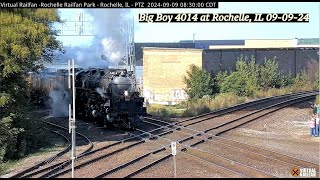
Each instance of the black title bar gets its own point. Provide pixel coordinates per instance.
(112, 4)
(217, 17)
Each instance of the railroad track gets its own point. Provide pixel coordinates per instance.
(223, 147)
(239, 157)
(135, 143)
(57, 159)
(147, 157)
(129, 157)
(227, 165)
(93, 155)
(250, 106)
(144, 158)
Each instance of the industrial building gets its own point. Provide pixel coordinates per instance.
(163, 71)
(228, 44)
(164, 67)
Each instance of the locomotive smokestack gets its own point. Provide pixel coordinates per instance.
(109, 42)
(111, 35)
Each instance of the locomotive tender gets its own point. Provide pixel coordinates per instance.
(109, 97)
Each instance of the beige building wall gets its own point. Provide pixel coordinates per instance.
(163, 71)
(261, 43)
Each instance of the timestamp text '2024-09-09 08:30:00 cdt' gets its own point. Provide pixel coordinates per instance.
(64, 5)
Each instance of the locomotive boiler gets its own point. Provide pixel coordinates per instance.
(109, 97)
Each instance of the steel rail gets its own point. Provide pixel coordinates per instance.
(199, 133)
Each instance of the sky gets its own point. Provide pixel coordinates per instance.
(174, 32)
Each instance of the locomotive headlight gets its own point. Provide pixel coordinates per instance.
(94, 113)
(126, 93)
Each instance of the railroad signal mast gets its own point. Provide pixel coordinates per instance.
(72, 113)
(76, 26)
(131, 49)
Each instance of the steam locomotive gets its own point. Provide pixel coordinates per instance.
(109, 97)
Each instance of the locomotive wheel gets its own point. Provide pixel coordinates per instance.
(99, 122)
(81, 102)
(109, 126)
(136, 122)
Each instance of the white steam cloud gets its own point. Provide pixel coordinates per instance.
(110, 27)
(100, 91)
(59, 101)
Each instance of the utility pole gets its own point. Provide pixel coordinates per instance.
(72, 118)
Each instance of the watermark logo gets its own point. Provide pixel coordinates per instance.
(295, 172)
(303, 172)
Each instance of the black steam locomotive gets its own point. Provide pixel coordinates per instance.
(108, 97)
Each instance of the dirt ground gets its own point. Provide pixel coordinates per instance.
(285, 131)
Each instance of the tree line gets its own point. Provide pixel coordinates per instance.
(248, 78)
(27, 40)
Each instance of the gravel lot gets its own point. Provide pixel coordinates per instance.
(187, 167)
(285, 131)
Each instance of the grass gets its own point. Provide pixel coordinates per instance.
(6, 166)
(282, 91)
(200, 106)
(51, 142)
(194, 107)
(165, 111)
(208, 104)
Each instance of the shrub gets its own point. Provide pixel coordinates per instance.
(268, 74)
(198, 83)
(283, 80)
(243, 81)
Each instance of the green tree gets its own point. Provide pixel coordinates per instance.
(268, 73)
(235, 84)
(26, 40)
(198, 82)
(302, 79)
(220, 78)
(244, 80)
(283, 80)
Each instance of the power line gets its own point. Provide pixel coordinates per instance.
(78, 27)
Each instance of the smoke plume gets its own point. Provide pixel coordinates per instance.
(59, 101)
(100, 91)
(110, 40)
